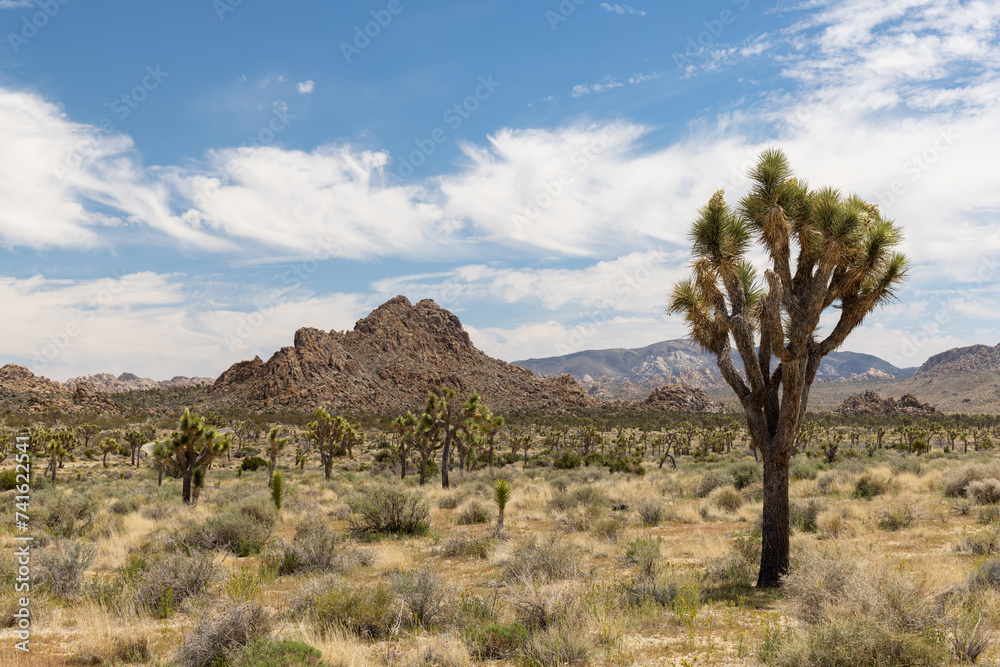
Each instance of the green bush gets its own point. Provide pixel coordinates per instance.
(8, 480)
(367, 611)
(474, 512)
(156, 587)
(497, 642)
(61, 567)
(746, 473)
(224, 633)
(567, 461)
(68, 516)
(869, 485)
(478, 547)
(711, 481)
(312, 549)
(856, 641)
(241, 530)
(628, 466)
(803, 515)
(544, 560)
(252, 463)
(384, 510)
(803, 469)
(273, 653)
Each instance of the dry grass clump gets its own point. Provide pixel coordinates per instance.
(425, 596)
(387, 510)
(805, 515)
(227, 631)
(473, 512)
(957, 481)
(651, 513)
(157, 585)
(869, 485)
(727, 499)
(368, 611)
(984, 491)
(984, 543)
(898, 515)
(542, 560)
(859, 612)
(312, 549)
(241, 529)
(469, 545)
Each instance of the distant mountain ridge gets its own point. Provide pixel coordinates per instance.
(109, 384)
(674, 361)
(961, 360)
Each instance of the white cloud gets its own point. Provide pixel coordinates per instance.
(306, 87)
(622, 9)
(16, 4)
(608, 83)
(68, 328)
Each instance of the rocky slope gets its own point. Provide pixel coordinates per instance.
(870, 403)
(389, 362)
(23, 391)
(604, 372)
(962, 360)
(109, 384)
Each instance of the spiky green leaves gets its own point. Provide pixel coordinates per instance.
(719, 235)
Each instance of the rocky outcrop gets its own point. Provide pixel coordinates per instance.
(960, 360)
(389, 362)
(23, 391)
(682, 398)
(109, 384)
(870, 403)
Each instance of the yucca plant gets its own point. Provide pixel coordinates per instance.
(501, 496)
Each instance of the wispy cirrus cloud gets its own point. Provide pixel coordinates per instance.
(622, 9)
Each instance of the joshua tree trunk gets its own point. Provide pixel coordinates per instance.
(446, 460)
(186, 485)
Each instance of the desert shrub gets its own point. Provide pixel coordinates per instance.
(253, 463)
(906, 465)
(8, 480)
(61, 567)
(969, 637)
(858, 613)
(368, 611)
(986, 574)
(711, 481)
(241, 530)
(123, 506)
(225, 633)
(955, 481)
(739, 567)
(869, 485)
(644, 553)
(984, 491)
(988, 514)
(468, 545)
(129, 649)
(559, 645)
(568, 460)
(475, 511)
(650, 512)
(385, 510)
(897, 516)
(608, 528)
(803, 469)
(983, 543)
(826, 483)
(312, 549)
(157, 587)
(449, 502)
(424, 594)
(804, 515)
(745, 473)
(626, 465)
(543, 560)
(496, 641)
(265, 652)
(155, 511)
(727, 499)
(68, 515)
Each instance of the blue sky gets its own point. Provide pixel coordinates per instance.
(186, 184)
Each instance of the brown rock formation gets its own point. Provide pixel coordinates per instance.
(389, 362)
(682, 398)
(870, 403)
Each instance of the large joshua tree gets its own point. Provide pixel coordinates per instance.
(192, 447)
(843, 259)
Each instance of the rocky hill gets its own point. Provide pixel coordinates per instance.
(23, 391)
(389, 362)
(109, 384)
(870, 403)
(962, 360)
(608, 372)
(682, 398)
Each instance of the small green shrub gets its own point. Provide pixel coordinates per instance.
(225, 633)
(567, 461)
(803, 515)
(711, 481)
(869, 485)
(272, 653)
(803, 469)
(312, 549)
(897, 517)
(497, 642)
(61, 567)
(425, 596)
(385, 510)
(253, 463)
(474, 512)
(8, 480)
(746, 473)
(367, 611)
(543, 560)
(478, 547)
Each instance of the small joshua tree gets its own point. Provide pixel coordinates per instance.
(135, 439)
(277, 489)
(108, 446)
(191, 448)
(274, 445)
(501, 496)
